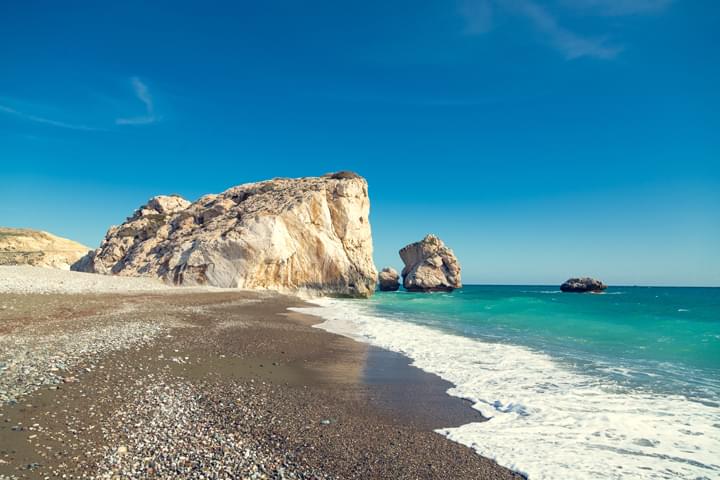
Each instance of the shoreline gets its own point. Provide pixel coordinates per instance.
(550, 419)
(241, 368)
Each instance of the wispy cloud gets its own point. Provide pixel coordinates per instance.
(478, 15)
(143, 94)
(572, 45)
(47, 121)
(9, 106)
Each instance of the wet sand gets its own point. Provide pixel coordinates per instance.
(213, 385)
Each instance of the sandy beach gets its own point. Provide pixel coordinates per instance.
(175, 383)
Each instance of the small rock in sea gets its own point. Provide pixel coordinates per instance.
(389, 280)
(581, 285)
(430, 266)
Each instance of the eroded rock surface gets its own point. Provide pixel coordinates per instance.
(23, 246)
(389, 280)
(430, 266)
(308, 234)
(584, 284)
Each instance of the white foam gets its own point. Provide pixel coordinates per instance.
(546, 420)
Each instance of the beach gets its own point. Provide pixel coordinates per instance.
(150, 381)
(586, 386)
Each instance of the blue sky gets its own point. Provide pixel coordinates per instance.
(538, 139)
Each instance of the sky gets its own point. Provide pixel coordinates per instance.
(539, 140)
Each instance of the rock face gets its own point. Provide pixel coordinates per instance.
(430, 266)
(21, 246)
(585, 284)
(389, 280)
(287, 234)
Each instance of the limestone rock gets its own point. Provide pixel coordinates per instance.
(22, 246)
(162, 205)
(389, 280)
(430, 266)
(284, 234)
(584, 284)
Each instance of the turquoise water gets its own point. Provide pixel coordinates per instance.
(624, 384)
(664, 339)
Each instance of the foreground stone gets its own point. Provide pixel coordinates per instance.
(287, 234)
(584, 284)
(22, 246)
(389, 280)
(430, 266)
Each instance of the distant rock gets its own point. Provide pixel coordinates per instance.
(430, 266)
(584, 284)
(22, 246)
(309, 234)
(389, 280)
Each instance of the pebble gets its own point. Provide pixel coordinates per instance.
(186, 431)
(31, 362)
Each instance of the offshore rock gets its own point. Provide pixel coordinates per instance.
(389, 280)
(584, 284)
(430, 266)
(22, 246)
(310, 234)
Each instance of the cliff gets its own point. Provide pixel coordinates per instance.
(308, 234)
(22, 246)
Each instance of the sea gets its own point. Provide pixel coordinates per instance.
(619, 385)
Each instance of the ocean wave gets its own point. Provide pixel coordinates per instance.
(541, 291)
(546, 420)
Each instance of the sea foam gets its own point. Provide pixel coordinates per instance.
(547, 420)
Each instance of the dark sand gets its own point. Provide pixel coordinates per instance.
(267, 396)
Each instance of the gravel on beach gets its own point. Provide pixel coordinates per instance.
(175, 383)
(26, 279)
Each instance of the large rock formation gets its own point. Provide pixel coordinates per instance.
(584, 284)
(389, 280)
(430, 266)
(22, 246)
(287, 234)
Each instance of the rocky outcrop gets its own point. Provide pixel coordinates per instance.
(430, 266)
(388, 280)
(584, 284)
(286, 234)
(22, 246)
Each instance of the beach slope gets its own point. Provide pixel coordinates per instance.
(151, 381)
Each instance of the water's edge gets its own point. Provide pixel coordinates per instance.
(452, 391)
(530, 430)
